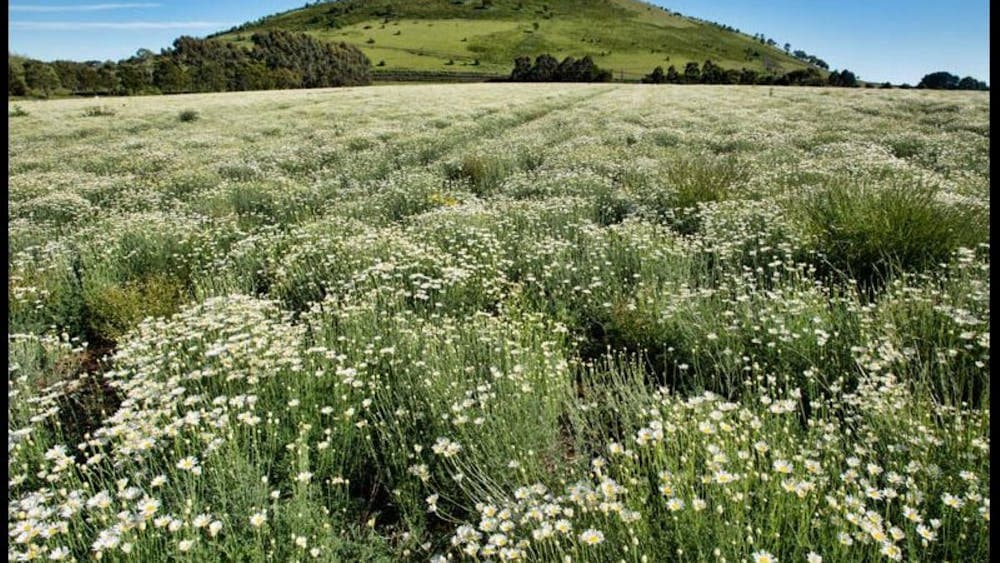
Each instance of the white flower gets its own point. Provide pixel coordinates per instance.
(189, 463)
(148, 507)
(591, 537)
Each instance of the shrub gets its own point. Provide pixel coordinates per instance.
(870, 232)
(188, 115)
(688, 183)
(17, 111)
(98, 111)
(116, 309)
(482, 174)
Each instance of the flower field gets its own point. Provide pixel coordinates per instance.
(500, 322)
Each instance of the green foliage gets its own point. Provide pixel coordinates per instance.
(16, 85)
(686, 184)
(869, 232)
(99, 111)
(547, 69)
(40, 78)
(844, 78)
(114, 310)
(188, 115)
(17, 111)
(940, 80)
(483, 174)
(318, 64)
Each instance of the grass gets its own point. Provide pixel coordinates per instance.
(869, 233)
(537, 321)
(631, 39)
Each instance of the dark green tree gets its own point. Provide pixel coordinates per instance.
(133, 78)
(522, 69)
(41, 78)
(844, 79)
(107, 79)
(16, 86)
(169, 76)
(940, 80)
(970, 83)
(748, 76)
(655, 77)
(692, 74)
(88, 78)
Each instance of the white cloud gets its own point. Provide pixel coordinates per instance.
(79, 7)
(85, 26)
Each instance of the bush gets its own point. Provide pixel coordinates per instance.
(188, 115)
(17, 111)
(688, 183)
(482, 174)
(868, 233)
(116, 309)
(98, 111)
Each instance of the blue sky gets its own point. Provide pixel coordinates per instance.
(894, 40)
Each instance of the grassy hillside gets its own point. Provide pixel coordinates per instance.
(627, 36)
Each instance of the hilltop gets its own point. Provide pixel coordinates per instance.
(484, 36)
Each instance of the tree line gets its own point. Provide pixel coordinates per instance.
(549, 69)
(712, 73)
(942, 80)
(276, 60)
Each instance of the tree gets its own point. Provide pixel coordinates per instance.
(16, 86)
(712, 73)
(545, 68)
(41, 78)
(107, 78)
(940, 80)
(169, 76)
(788, 47)
(548, 69)
(691, 73)
(970, 83)
(88, 78)
(133, 78)
(318, 64)
(844, 78)
(655, 77)
(522, 69)
(673, 77)
(68, 74)
(566, 71)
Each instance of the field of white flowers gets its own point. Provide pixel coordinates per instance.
(496, 322)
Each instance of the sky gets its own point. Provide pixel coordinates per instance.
(879, 40)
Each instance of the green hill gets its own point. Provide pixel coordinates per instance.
(483, 36)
